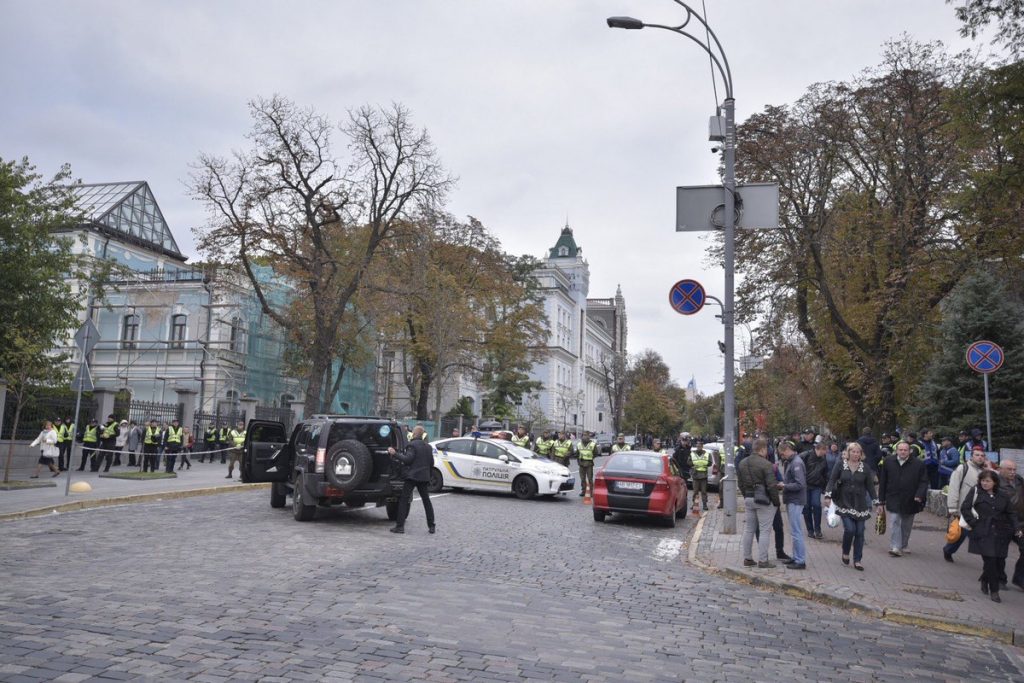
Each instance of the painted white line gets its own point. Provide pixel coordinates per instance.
(667, 550)
(436, 495)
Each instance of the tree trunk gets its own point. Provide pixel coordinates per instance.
(10, 446)
(321, 361)
(424, 395)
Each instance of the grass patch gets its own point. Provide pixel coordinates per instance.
(18, 484)
(139, 475)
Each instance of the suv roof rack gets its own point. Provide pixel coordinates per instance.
(325, 416)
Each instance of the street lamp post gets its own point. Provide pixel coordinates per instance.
(718, 58)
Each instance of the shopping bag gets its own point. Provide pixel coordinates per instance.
(831, 516)
(954, 531)
(880, 522)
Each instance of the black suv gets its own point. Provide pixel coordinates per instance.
(328, 460)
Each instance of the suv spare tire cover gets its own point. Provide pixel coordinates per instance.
(349, 465)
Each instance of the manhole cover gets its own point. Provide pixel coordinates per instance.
(936, 593)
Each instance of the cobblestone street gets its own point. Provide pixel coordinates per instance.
(226, 588)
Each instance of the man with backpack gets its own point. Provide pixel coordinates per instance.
(963, 479)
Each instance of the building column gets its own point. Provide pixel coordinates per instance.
(249, 408)
(104, 403)
(298, 409)
(187, 400)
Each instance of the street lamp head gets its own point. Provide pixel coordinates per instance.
(625, 22)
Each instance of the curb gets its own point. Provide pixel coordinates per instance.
(125, 500)
(1005, 635)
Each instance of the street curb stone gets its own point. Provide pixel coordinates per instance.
(1004, 635)
(124, 500)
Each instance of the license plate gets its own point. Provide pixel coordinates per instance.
(629, 485)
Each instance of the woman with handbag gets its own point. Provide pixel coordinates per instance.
(851, 484)
(993, 523)
(47, 441)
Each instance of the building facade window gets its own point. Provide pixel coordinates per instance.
(237, 336)
(130, 332)
(178, 325)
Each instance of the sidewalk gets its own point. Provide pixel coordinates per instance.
(919, 588)
(202, 477)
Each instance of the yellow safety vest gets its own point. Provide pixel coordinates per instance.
(224, 434)
(91, 435)
(523, 441)
(62, 434)
(617, 448)
(211, 436)
(150, 433)
(238, 437)
(108, 430)
(586, 450)
(700, 461)
(172, 436)
(544, 445)
(562, 448)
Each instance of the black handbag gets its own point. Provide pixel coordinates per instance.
(761, 495)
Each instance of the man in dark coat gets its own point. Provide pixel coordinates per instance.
(872, 451)
(902, 489)
(817, 477)
(681, 455)
(1013, 483)
(418, 459)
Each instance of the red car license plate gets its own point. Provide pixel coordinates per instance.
(629, 486)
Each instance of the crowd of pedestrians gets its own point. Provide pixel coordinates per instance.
(150, 447)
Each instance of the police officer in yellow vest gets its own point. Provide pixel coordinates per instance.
(209, 443)
(172, 444)
(237, 441)
(90, 440)
(544, 444)
(521, 438)
(150, 444)
(586, 450)
(108, 442)
(223, 443)
(65, 440)
(620, 444)
(700, 462)
(562, 449)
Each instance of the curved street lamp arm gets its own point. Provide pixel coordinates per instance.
(723, 64)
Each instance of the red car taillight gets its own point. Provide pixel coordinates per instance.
(662, 483)
(321, 457)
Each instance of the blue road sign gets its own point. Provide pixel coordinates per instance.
(985, 356)
(687, 297)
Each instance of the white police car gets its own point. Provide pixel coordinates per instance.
(496, 465)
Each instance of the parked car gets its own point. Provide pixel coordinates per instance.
(640, 483)
(604, 442)
(496, 465)
(327, 460)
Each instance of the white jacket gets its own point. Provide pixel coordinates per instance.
(48, 440)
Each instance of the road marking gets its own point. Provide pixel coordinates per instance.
(667, 550)
(436, 495)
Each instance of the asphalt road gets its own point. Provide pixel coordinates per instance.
(226, 588)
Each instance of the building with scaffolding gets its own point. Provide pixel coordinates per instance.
(173, 333)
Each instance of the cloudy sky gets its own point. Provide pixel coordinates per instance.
(540, 110)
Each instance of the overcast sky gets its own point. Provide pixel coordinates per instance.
(540, 110)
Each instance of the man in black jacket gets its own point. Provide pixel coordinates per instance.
(817, 477)
(418, 459)
(872, 451)
(902, 487)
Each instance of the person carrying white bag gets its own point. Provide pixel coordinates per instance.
(47, 440)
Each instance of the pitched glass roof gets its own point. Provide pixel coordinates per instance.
(128, 209)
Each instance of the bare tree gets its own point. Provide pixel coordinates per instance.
(287, 209)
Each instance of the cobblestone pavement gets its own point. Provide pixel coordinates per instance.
(225, 588)
(920, 583)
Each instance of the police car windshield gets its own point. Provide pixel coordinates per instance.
(520, 452)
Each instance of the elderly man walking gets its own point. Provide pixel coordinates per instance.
(902, 487)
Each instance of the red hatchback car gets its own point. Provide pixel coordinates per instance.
(640, 483)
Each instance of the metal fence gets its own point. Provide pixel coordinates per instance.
(201, 421)
(141, 412)
(282, 415)
(38, 409)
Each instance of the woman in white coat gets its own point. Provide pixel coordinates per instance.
(47, 441)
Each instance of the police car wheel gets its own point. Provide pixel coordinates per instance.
(436, 480)
(277, 494)
(524, 487)
(349, 465)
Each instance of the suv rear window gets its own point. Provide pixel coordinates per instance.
(374, 436)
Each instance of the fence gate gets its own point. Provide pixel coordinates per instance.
(141, 412)
(282, 415)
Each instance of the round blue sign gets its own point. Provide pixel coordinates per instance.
(985, 356)
(687, 297)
